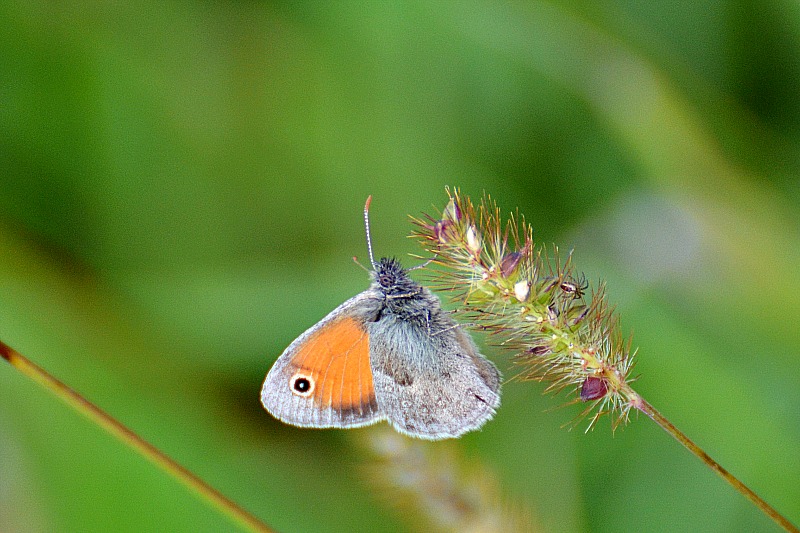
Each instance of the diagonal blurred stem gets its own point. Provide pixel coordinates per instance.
(103, 419)
(642, 405)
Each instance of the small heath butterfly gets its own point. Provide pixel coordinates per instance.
(389, 353)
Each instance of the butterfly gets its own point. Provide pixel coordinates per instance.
(389, 353)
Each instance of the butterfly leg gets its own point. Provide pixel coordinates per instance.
(454, 326)
(404, 295)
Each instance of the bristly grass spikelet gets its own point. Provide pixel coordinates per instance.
(532, 303)
(537, 306)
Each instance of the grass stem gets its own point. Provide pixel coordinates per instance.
(643, 406)
(106, 421)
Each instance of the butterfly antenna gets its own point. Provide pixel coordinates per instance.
(366, 225)
(356, 261)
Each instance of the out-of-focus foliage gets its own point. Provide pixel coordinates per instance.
(180, 195)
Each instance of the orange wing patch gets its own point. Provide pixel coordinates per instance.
(334, 361)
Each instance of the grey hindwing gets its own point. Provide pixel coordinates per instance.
(431, 384)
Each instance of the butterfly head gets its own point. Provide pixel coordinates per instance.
(391, 278)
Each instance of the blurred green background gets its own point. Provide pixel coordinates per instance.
(181, 193)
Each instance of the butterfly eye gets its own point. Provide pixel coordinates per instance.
(302, 385)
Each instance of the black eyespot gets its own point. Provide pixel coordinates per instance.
(301, 385)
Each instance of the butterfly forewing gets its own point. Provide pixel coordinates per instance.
(323, 379)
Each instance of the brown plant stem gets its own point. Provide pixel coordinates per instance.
(103, 419)
(642, 405)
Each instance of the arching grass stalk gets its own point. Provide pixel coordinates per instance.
(535, 305)
(104, 420)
